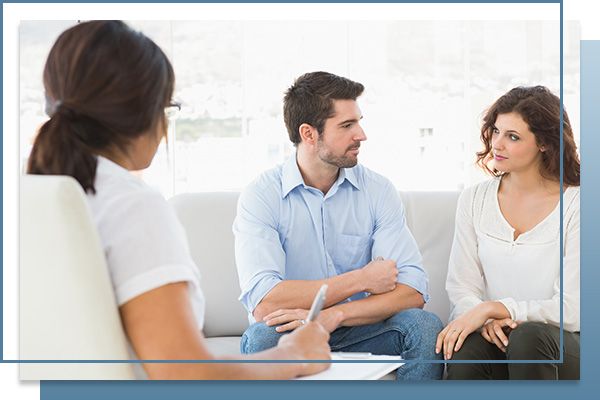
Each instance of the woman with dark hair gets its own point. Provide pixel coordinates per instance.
(107, 89)
(503, 276)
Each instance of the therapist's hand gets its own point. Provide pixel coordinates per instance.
(379, 276)
(290, 319)
(309, 342)
(496, 331)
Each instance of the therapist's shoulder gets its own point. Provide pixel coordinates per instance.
(142, 202)
(114, 184)
(132, 209)
(124, 193)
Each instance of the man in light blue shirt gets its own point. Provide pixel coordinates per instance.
(322, 218)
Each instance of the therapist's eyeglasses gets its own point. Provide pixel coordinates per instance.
(172, 110)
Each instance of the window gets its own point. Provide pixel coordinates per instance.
(425, 132)
(427, 85)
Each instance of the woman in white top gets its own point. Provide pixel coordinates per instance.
(504, 271)
(107, 88)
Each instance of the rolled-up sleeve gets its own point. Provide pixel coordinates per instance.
(259, 256)
(393, 240)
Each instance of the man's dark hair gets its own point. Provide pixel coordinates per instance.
(310, 100)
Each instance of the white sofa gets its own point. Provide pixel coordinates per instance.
(208, 217)
(67, 308)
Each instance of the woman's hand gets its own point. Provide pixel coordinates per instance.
(496, 331)
(290, 319)
(452, 337)
(308, 342)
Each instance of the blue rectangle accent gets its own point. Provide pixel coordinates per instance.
(301, 390)
(587, 388)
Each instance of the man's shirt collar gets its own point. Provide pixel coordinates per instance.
(291, 177)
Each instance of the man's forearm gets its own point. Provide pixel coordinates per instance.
(379, 307)
(300, 293)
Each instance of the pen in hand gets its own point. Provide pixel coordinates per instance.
(317, 304)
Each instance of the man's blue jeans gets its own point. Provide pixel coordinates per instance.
(410, 334)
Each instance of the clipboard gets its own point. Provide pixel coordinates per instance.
(357, 371)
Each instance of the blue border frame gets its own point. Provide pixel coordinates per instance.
(305, 1)
(560, 202)
(2, 200)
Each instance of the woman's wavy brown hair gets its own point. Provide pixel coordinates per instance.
(540, 109)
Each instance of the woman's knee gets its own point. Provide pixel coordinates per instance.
(475, 347)
(533, 341)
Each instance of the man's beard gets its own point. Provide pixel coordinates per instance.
(344, 161)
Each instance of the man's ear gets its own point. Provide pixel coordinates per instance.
(308, 134)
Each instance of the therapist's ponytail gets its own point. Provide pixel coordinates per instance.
(106, 84)
(65, 146)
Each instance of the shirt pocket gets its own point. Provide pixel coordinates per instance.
(351, 252)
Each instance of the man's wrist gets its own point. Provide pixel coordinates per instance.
(337, 315)
(358, 280)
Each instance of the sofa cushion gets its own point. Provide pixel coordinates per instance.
(430, 217)
(207, 219)
(224, 345)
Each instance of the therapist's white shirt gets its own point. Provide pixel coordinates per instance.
(144, 244)
(486, 263)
